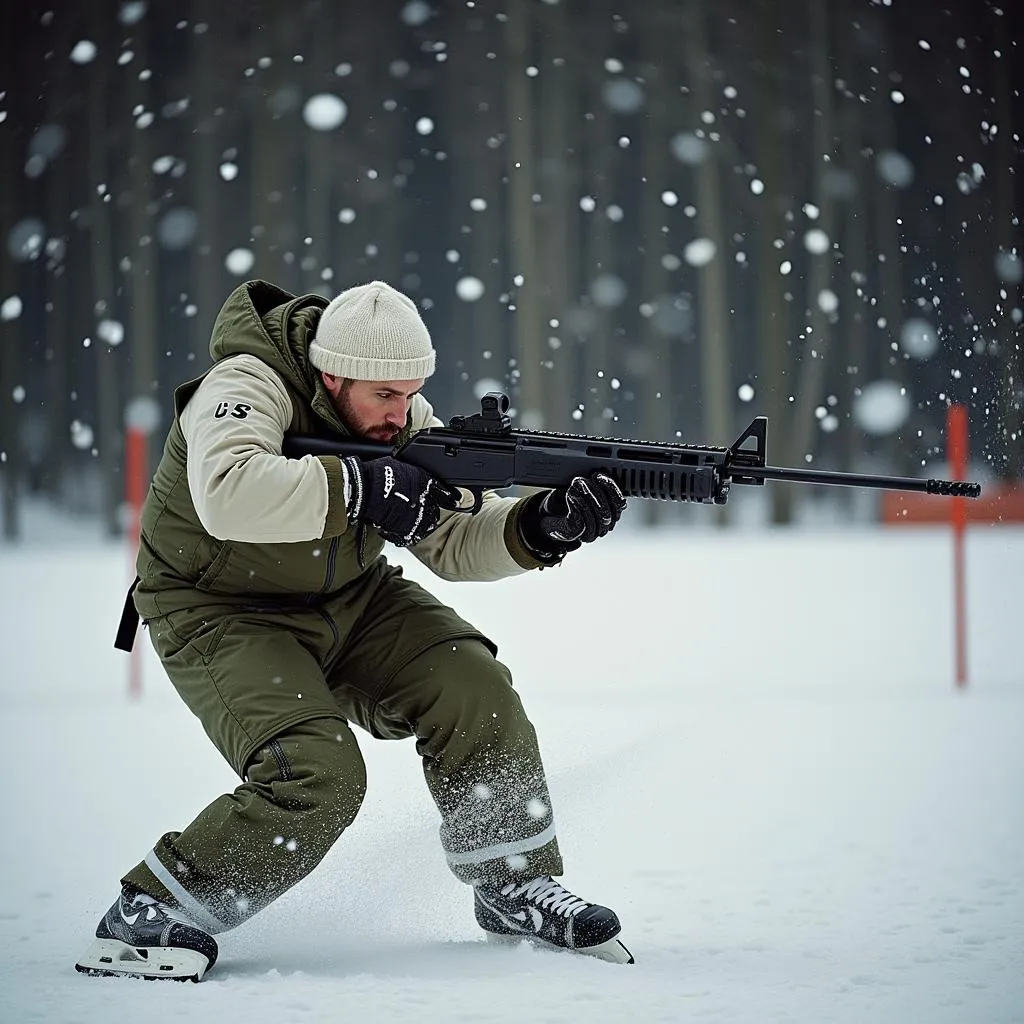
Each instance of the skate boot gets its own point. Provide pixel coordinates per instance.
(140, 938)
(543, 912)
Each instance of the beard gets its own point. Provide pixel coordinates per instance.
(382, 432)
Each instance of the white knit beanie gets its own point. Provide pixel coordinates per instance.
(372, 332)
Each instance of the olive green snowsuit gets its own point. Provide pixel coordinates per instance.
(277, 647)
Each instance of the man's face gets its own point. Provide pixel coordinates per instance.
(372, 409)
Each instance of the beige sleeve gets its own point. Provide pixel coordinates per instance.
(242, 487)
(478, 548)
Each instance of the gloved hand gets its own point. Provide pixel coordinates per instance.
(556, 522)
(403, 502)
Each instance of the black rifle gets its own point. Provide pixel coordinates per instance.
(485, 452)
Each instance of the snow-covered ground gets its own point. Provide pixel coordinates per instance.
(757, 757)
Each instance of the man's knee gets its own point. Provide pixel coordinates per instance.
(314, 770)
(457, 691)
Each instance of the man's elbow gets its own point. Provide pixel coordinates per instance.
(216, 523)
(217, 516)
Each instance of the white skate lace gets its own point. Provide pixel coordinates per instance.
(546, 893)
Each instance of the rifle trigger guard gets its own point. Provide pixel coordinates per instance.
(478, 500)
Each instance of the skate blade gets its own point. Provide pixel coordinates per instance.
(612, 951)
(116, 959)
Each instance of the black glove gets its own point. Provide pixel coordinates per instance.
(556, 522)
(403, 502)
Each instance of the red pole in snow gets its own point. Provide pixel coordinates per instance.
(136, 479)
(956, 445)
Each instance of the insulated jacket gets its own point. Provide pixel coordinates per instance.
(228, 521)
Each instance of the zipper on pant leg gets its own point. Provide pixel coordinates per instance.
(282, 760)
(332, 554)
(333, 626)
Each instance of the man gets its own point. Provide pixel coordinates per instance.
(279, 621)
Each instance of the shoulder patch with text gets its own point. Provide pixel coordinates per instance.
(239, 410)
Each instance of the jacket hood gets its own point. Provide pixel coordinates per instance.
(259, 318)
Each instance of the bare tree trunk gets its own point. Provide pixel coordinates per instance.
(1008, 239)
(469, 156)
(657, 344)
(392, 215)
(207, 255)
(382, 223)
(522, 241)
(713, 312)
(816, 349)
(108, 404)
(599, 253)
(62, 183)
(773, 317)
(142, 337)
(318, 178)
(10, 364)
(557, 272)
(853, 296)
(273, 192)
(475, 105)
(887, 234)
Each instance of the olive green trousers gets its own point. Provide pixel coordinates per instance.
(276, 691)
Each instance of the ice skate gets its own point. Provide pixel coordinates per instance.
(141, 938)
(545, 913)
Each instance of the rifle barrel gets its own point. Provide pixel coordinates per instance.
(949, 488)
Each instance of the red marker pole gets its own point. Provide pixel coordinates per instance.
(956, 446)
(136, 479)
